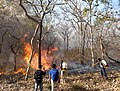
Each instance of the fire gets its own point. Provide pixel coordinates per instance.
(27, 51)
(46, 60)
(1, 73)
(20, 70)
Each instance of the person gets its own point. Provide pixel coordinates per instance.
(54, 77)
(38, 76)
(63, 70)
(103, 65)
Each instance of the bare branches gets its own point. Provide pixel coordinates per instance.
(21, 4)
(14, 46)
(40, 9)
(2, 39)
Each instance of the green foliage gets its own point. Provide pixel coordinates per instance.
(85, 10)
(104, 1)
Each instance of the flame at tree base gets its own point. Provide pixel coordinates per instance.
(46, 60)
(20, 70)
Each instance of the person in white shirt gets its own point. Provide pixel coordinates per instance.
(103, 65)
(63, 70)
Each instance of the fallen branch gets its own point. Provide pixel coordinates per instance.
(111, 58)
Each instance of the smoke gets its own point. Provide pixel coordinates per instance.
(5, 63)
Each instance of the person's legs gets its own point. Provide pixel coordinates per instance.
(41, 86)
(52, 85)
(57, 86)
(61, 73)
(64, 76)
(101, 71)
(36, 86)
(61, 80)
(104, 73)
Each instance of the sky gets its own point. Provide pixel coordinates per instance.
(116, 6)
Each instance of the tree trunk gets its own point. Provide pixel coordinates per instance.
(32, 52)
(83, 48)
(28, 68)
(39, 51)
(67, 43)
(64, 45)
(112, 58)
(91, 33)
(101, 47)
(2, 39)
(15, 62)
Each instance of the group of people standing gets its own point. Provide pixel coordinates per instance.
(55, 76)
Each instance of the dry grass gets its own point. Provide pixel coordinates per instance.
(82, 82)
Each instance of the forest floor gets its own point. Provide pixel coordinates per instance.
(78, 82)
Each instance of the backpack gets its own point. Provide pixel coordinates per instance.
(38, 76)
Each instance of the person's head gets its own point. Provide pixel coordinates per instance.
(54, 66)
(99, 59)
(61, 61)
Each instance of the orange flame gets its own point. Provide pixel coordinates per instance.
(46, 60)
(1, 73)
(20, 70)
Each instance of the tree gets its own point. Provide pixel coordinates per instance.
(78, 12)
(106, 26)
(15, 46)
(2, 40)
(33, 51)
(38, 9)
(65, 32)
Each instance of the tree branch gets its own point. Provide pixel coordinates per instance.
(27, 13)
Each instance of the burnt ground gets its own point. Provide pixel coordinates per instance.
(78, 82)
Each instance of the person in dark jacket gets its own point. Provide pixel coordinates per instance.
(38, 76)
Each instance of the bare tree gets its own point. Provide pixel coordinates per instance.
(74, 8)
(32, 52)
(39, 9)
(65, 32)
(15, 46)
(2, 40)
(36, 11)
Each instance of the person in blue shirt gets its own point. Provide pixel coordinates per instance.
(54, 77)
